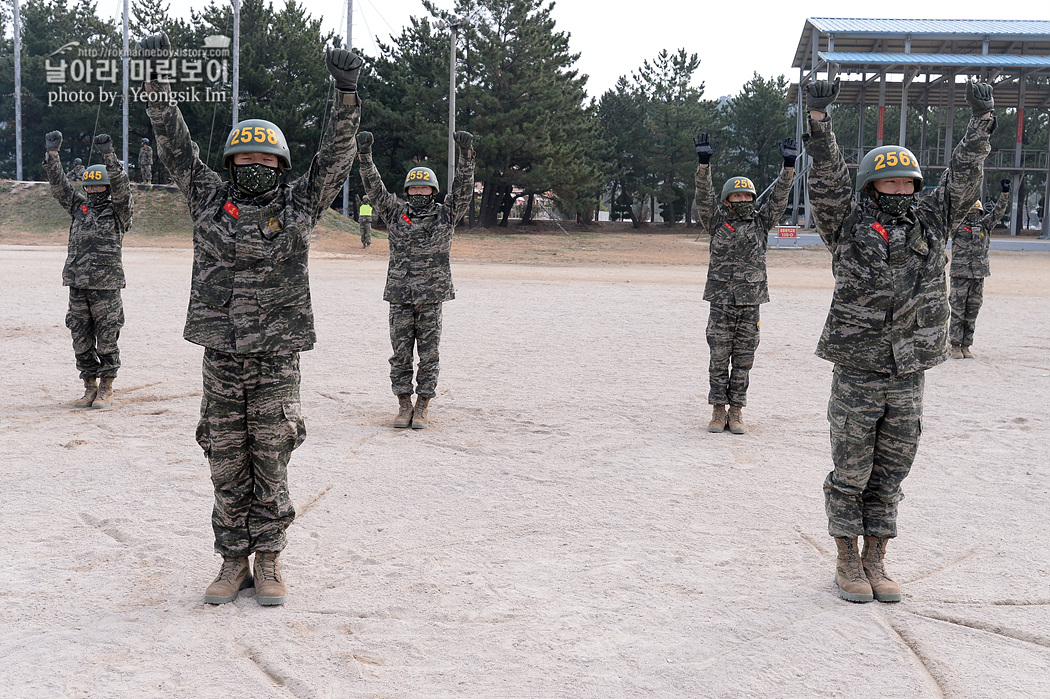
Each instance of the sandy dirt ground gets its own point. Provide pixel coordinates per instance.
(566, 528)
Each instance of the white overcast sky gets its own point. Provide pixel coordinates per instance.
(733, 39)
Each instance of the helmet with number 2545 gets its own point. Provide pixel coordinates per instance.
(887, 162)
(256, 136)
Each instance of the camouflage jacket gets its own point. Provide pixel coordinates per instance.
(93, 259)
(145, 156)
(736, 274)
(889, 311)
(419, 269)
(76, 174)
(250, 290)
(970, 243)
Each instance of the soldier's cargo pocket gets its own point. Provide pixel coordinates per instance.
(932, 313)
(203, 432)
(294, 424)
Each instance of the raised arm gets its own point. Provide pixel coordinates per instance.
(175, 148)
(706, 205)
(961, 182)
(772, 211)
(989, 221)
(830, 189)
(61, 190)
(331, 165)
(382, 201)
(463, 182)
(119, 185)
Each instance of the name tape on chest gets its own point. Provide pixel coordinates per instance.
(733, 230)
(881, 231)
(231, 209)
(83, 208)
(406, 219)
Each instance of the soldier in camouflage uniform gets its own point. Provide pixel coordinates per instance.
(250, 309)
(419, 278)
(736, 276)
(94, 271)
(364, 220)
(970, 266)
(76, 173)
(887, 324)
(146, 163)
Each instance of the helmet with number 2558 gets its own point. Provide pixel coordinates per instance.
(887, 162)
(257, 136)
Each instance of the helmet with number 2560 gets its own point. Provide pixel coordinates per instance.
(885, 162)
(257, 136)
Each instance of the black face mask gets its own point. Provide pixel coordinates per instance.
(974, 217)
(255, 179)
(895, 204)
(98, 198)
(743, 209)
(420, 202)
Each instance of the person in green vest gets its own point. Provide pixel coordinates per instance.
(364, 219)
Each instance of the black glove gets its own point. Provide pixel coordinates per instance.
(704, 148)
(789, 150)
(1005, 184)
(463, 139)
(979, 97)
(155, 47)
(53, 140)
(104, 143)
(345, 67)
(364, 143)
(821, 93)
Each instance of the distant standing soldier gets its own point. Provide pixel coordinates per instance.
(970, 266)
(888, 322)
(146, 162)
(250, 309)
(736, 276)
(94, 270)
(419, 276)
(364, 220)
(76, 173)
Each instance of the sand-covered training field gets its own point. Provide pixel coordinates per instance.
(565, 528)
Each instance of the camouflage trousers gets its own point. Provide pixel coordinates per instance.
(876, 420)
(965, 299)
(415, 326)
(146, 174)
(94, 319)
(365, 223)
(732, 335)
(250, 423)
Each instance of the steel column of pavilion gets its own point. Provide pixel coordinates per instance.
(895, 52)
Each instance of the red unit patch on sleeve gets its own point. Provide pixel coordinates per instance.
(406, 219)
(882, 231)
(229, 208)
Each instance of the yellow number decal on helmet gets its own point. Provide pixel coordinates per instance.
(271, 136)
(260, 134)
(893, 158)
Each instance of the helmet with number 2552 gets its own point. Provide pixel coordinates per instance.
(887, 162)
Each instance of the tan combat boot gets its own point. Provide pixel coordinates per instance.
(852, 585)
(957, 352)
(736, 420)
(718, 419)
(966, 353)
(404, 410)
(873, 561)
(105, 393)
(419, 415)
(90, 391)
(269, 583)
(233, 577)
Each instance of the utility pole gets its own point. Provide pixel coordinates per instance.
(124, 70)
(236, 57)
(454, 23)
(349, 47)
(18, 94)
